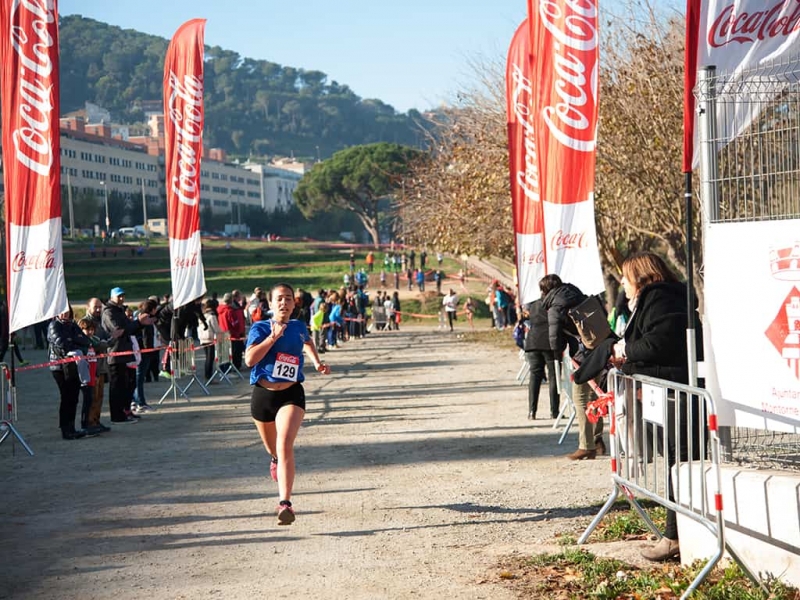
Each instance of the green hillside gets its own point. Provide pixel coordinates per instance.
(251, 106)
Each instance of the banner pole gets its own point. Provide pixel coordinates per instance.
(691, 336)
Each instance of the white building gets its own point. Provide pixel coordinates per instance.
(96, 159)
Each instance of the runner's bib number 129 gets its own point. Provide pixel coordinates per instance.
(287, 366)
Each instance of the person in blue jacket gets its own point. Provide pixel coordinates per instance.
(275, 349)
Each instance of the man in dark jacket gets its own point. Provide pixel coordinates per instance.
(120, 328)
(557, 298)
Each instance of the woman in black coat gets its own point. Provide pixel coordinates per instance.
(655, 345)
(538, 354)
(64, 336)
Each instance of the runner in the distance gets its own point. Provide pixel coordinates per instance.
(275, 351)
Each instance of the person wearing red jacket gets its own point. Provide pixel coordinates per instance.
(231, 319)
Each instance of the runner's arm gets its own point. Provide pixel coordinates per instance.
(311, 351)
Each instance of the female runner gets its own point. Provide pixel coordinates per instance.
(275, 352)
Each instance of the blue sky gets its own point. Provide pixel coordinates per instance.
(410, 54)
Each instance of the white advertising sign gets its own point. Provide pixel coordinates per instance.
(752, 323)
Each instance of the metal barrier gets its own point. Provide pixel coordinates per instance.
(222, 368)
(183, 366)
(564, 383)
(567, 407)
(661, 434)
(8, 411)
(228, 367)
(524, 370)
(379, 319)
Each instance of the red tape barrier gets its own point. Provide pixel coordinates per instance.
(94, 358)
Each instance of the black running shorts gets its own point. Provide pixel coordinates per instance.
(264, 403)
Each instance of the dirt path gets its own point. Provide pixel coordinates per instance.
(416, 470)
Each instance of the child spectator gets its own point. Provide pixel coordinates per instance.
(87, 389)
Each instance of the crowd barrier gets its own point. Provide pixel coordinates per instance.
(564, 383)
(8, 412)
(223, 360)
(183, 367)
(566, 408)
(664, 446)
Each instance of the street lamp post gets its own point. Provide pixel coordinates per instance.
(105, 197)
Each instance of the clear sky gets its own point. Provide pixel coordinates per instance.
(410, 54)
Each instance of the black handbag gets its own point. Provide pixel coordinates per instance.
(591, 321)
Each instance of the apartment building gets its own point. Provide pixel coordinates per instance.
(96, 159)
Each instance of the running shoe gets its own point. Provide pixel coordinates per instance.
(166, 374)
(273, 469)
(285, 514)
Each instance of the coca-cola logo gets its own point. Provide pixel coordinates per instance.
(45, 259)
(573, 25)
(185, 107)
(533, 258)
(565, 240)
(747, 28)
(184, 262)
(33, 37)
(528, 178)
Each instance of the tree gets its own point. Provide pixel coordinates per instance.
(458, 199)
(639, 203)
(356, 179)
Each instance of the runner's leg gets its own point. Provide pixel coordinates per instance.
(267, 432)
(287, 423)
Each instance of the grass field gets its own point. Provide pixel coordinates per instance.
(247, 264)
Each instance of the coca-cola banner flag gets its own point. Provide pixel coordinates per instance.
(736, 36)
(32, 164)
(523, 163)
(566, 62)
(183, 111)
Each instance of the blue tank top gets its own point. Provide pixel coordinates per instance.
(286, 352)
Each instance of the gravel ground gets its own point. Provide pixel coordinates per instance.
(417, 470)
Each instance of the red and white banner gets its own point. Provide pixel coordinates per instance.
(32, 161)
(736, 36)
(183, 122)
(566, 63)
(526, 202)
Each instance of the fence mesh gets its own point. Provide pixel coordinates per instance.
(757, 179)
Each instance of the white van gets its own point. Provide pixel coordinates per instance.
(127, 231)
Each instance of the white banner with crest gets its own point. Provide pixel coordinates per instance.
(752, 323)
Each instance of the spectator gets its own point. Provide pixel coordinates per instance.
(438, 275)
(120, 328)
(208, 338)
(94, 311)
(397, 316)
(86, 325)
(4, 337)
(370, 261)
(145, 338)
(655, 345)
(65, 337)
(557, 298)
(539, 355)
